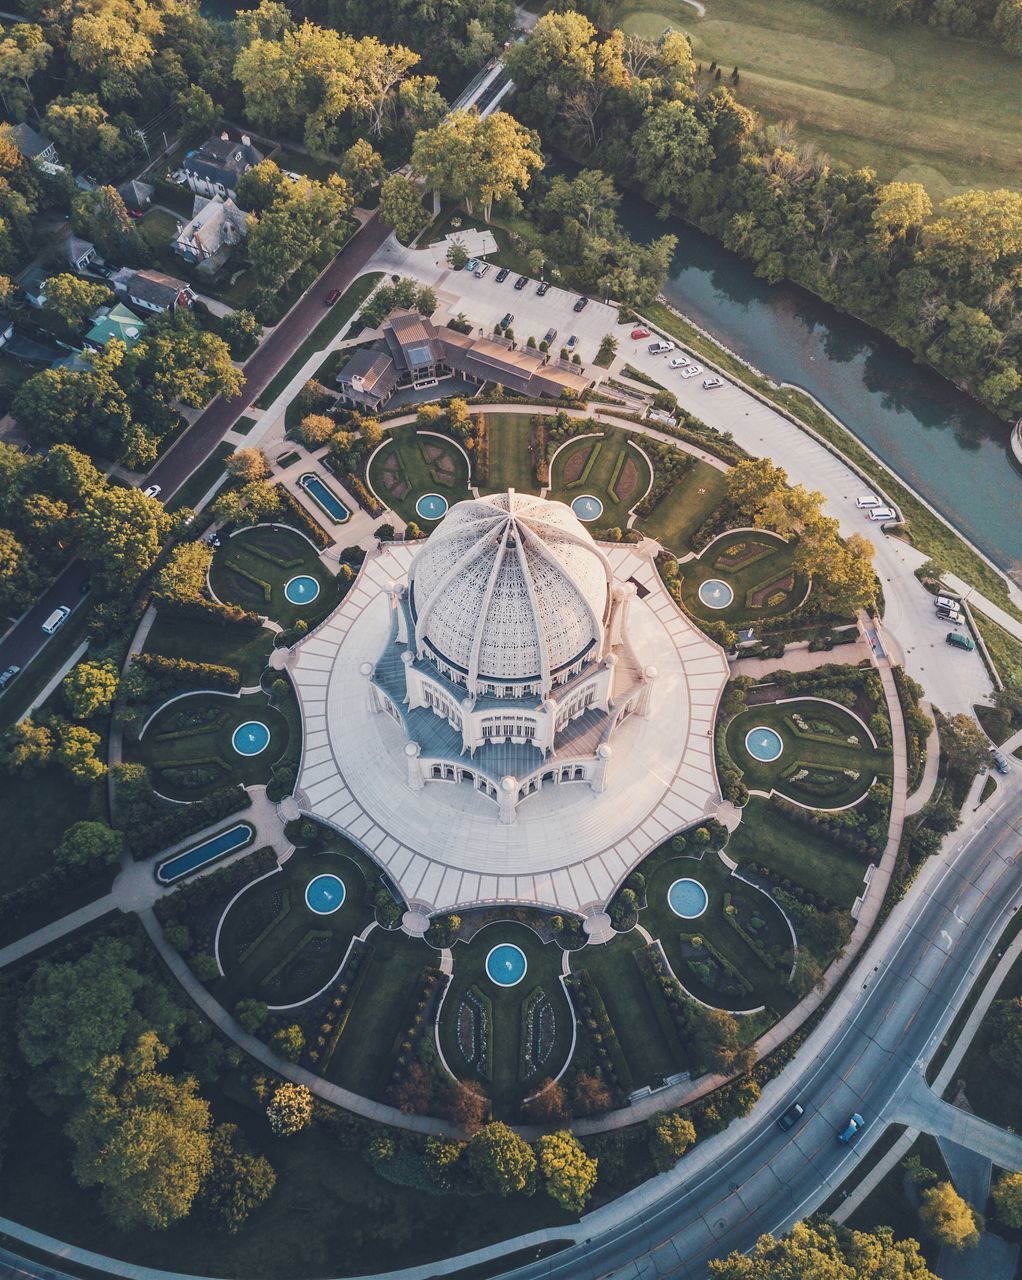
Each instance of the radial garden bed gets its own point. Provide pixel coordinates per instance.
(607, 467)
(827, 759)
(274, 947)
(508, 1038)
(254, 567)
(411, 463)
(756, 566)
(188, 746)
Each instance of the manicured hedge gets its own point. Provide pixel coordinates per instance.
(169, 675)
(608, 1047)
(157, 824)
(211, 611)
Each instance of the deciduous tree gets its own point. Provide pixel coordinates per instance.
(183, 577)
(502, 1161)
(670, 1136)
(89, 843)
(89, 687)
(290, 1109)
(246, 465)
(238, 1182)
(826, 1251)
(569, 1173)
(73, 299)
(948, 1218)
(401, 207)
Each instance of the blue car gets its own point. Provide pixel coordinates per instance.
(851, 1128)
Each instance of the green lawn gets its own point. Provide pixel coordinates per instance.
(866, 92)
(513, 1077)
(510, 464)
(199, 640)
(795, 851)
(244, 425)
(261, 943)
(993, 1093)
(890, 1205)
(757, 568)
(188, 749)
(414, 464)
(617, 977)
(202, 479)
(681, 512)
(37, 810)
(234, 284)
(253, 567)
(1005, 651)
(689, 961)
(333, 321)
(827, 786)
(611, 461)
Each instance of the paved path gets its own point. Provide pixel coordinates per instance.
(799, 657)
(987, 607)
(919, 1106)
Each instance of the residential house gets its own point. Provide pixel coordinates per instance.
(80, 254)
(416, 350)
(32, 283)
(152, 290)
(217, 166)
(114, 322)
(32, 145)
(216, 227)
(137, 196)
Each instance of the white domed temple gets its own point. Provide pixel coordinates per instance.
(508, 711)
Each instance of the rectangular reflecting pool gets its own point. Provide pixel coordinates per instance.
(181, 864)
(321, 493)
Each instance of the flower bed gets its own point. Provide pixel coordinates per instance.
(770, 594)
(739, 555)
(475, 1031)
(539, 1027)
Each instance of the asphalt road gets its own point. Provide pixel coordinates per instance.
(764, 1180)
(26, 639)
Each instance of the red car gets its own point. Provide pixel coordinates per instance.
(640, 333)
(332, 297)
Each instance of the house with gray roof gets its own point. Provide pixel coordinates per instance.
(216, 168)
(32, 145)
(152, 290)
(137, 196)
(215, 228)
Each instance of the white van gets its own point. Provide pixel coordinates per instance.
(482, 269)
(56, 619)
(868, 500)
(943, 603)
(882, 513)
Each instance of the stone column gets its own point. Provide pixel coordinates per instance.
(604, 754)
(645, 698)
(366, 670)
(415, 778)
(508, 799)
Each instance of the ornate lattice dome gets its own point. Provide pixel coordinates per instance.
(510, 588)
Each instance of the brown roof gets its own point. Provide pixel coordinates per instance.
(410, 327)
(368, 365)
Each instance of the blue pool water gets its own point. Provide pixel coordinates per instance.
(325, 894)
(687, 899)
(250, 738)
(587, 508)
(215, 847)
(506, 965)
(431, 506)
(320, 492)
(715, 593)
(763, 744)
(301, 590)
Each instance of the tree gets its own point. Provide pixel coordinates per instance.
(477, 160)
(901, 210)
(177, 360)
(569, 1173)
(1006, 1037)
(23, 54)
(113, 50)
(247, 465)
(251, 1014)
(73, 299)
(290, 1109)
(826, 1251)
(465, 1106)
(670, 1136)
(1007, 1197)
(89, 687)
(27, 746)
(248, 505)
(362, 168)
(142, 1138)
(401, 207)
(76, 751)
(964, 744)
(289, 1042)
(19, 578)
(590, 1095)
(315, 430)
(89, 844)
(948, 1218)
(84, 134)
(199, 113)
(242, 331)
(1007, 25)
(183, 577)
(302, 218)
(120, 532)
(101, 216)
(502, 1161)
(238, 1181)
(549, 1104)
(457, 255)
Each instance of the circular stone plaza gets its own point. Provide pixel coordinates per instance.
(509, 712)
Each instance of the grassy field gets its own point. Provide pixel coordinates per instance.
(793, 850)
(509, 1083)
(679, 514)
(1005, 650)
(510, 464)
(749, 564)
(866, 94)
(613, 461)
(245, 648)
(993, 1093)
(252, 569)
(890, 1205)
(833, 789)
(402, 473)
(37, 811)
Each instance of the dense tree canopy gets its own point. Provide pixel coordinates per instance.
(825, 1251)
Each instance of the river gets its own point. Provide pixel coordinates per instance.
(937, 438)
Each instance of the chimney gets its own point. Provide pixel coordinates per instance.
(225, 136)
(246, 141)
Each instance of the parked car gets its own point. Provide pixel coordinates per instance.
(855, 1123)
(57, 619)
(7, 675)
(882, 514)
(471, 264)
(660, 347)
(521, 282)
(953, 616)
(942, 603)
(678, 362)
(152, 491)
(960, 640)
(710, 384)
(792, 1116)
(549, 336)
(482, 269)
(544, 286)
(867, 500)
(332, 297)
(1000, 762)
(693, 371)
(507, 320)
(640, 333)
(503, 274)
(570, 344)
(581, 305)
